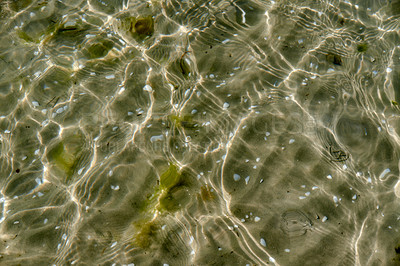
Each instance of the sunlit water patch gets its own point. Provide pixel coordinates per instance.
(199, 132)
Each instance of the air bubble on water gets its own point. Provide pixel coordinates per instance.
(262, 242)
(329, 176)
(383, 174)
(257, 219)
(247, 179)
(324, 219)
(236, 177)
(121, 90)
(148, 88)
(335, 199)
(156, 138)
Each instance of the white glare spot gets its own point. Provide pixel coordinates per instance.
(262, 242)
(257, 219)
(148, 88)
(236, 177)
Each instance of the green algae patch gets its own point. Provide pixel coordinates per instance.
(170, 177)
(146, 233)
(334, 59)
(24, 36)
(19, 5)
(170, 195)
(66, 155)
(185, 121)
(362, 47)
(139, 28)
(142, 27)
(99, 49)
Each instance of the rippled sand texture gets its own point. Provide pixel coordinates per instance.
(199, 133)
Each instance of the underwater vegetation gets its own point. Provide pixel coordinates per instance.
(139, 28)
(185, 121)
(334, 58)
(362, 47)
(66, 154)
(169, 196)
(99, 48)
(142, 27)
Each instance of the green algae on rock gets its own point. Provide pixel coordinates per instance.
(99, 48)
(146, 233)
(362, 47)
(334, 58)
(139, 28)
(170, 177)
(185, 121)
(143, 27)
(66, 155)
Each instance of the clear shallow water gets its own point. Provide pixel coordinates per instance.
(206, 133)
